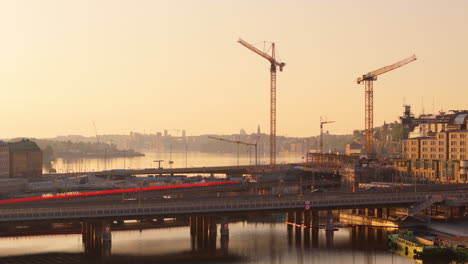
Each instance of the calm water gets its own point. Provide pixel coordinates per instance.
(248, 243)
(181, 160)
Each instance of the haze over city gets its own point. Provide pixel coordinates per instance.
(151, 65)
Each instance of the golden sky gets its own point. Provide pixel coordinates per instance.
(145, 66)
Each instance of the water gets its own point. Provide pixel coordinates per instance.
(181, 160)
(259, 243)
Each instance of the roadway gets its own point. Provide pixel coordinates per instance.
(149, 208)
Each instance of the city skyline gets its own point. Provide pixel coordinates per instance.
(153, 65)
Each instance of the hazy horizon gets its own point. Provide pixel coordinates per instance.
(146, 66)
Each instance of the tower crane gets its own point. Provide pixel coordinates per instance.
(238, 142)
(368, 80)
(323, 122)
(273, 65)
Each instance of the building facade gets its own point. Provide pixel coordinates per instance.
(25, 159)
(4, 160)
(439, 156)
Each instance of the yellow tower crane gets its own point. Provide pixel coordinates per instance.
(274, 64)
(368, 80)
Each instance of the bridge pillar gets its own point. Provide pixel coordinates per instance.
(193, 225)
(379, 212)
(206, 231)
(307, 224)
(385, 213)
(307, 219)
(315, 219)
(97, 238)
(224, 229)
(298, 227)
(330, 221)
(212, 233)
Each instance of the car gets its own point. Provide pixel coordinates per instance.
(371, 188)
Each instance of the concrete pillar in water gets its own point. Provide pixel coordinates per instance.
(315, 219)
(462, 211)
(379, 212)
(193, 225)
(212, 233)
(298, 228)
(330, 221)
(97, 238)
(307, 224)
(224, 229)
(307, 219)
(385, 213)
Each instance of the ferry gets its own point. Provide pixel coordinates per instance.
(406, 243)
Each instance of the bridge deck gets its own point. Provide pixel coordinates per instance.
(219, 205)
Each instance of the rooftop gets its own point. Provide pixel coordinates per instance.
(24, 145)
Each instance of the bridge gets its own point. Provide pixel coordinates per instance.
(111, 209)
(207, 206)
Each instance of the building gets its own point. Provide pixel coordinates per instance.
(353, 149)
(4, 160)
(440, 151)
(25, 159)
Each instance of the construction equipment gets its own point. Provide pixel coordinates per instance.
(274, 64)
(238, 142)
(323, 122)
(368, 80)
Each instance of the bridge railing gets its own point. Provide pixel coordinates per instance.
(177, 207)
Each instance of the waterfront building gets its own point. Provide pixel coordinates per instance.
(439, 152)
(4, 160)
(353, 149)
(25, 159)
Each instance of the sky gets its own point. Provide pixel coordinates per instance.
(149, 65)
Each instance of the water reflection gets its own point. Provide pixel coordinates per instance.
(247, 243)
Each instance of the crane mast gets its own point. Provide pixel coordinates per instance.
(273, 65)
(368, 80)
(321, 132)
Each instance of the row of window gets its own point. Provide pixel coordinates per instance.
(454, 136)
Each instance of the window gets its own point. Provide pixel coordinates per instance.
(433, 156)
(441, 149)
(462, 143)
(462, 149)
(441, 136)
(433, 149)
(424, 149)
(424, 156)
(462, 135)
(453, 143)
(441, 156)
(433, 143)
(441, 143)
(413, 143)
(424, 143)
(462, 157)
(453, 149)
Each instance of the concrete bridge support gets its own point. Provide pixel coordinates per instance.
(330, 221)
(307, 228)
(298, 227)
(96, 237)
(203, 232)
